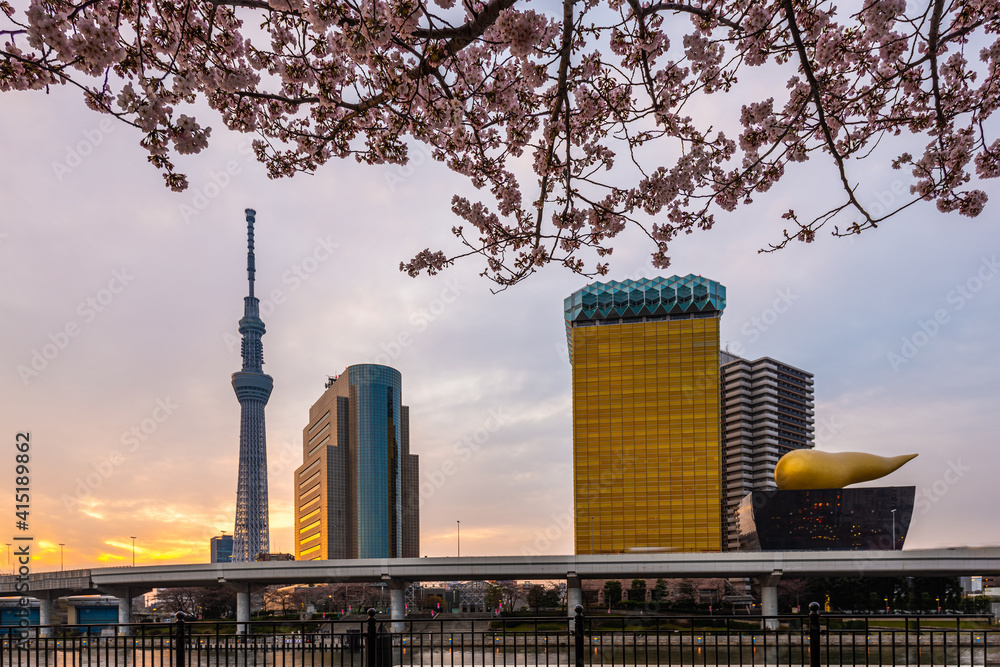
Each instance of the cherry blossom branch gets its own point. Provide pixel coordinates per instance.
(251, 4)
(697, 11)
(560, 97)
(814, 92)
(470, 30)
(932, 49)
(296, 101)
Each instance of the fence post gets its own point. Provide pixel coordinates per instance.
(814, 640)
(179, 642)
(578, 634)
(371, 641)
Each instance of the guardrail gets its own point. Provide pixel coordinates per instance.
(581, 641)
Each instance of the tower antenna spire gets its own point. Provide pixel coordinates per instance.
(250, 262)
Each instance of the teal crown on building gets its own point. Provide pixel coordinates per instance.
(644, 300)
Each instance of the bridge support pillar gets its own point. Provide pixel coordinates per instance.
(574, 594)
(125, 612)
(243, 610)
(44, 616)
(124, 593)
(397, 603)
(769, 600)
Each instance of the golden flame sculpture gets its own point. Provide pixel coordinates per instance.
(809, 469)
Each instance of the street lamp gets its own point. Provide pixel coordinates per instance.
(459, 538)
(133, 550)
(938, 604)
(887, 605)
(8, 558)
(61, 545)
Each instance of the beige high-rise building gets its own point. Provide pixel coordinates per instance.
(356, 492)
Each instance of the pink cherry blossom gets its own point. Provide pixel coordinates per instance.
(574, 121)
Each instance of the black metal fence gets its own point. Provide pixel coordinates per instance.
(599, 640)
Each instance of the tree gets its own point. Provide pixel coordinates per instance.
(305, 597)
(929, 593)
(612, 592)
(217, 602)
(511, 594)
(505, 595)
(552, 598)
(212, 602)
(791, 592)
(173, 600)
(535, 595)
(638, 591)
(540, 597)
(276, 598)
(494, 595)
(591, 597)
(859, 593)
(660, 590)
(686, 592)
(580, 122)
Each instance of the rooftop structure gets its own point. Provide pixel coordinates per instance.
(644, 300)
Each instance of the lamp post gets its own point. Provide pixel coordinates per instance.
(133, 550)
(8, 558)
(459, 524)
(887, 605)
(61, 545)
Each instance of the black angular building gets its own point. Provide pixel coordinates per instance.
(852, 519)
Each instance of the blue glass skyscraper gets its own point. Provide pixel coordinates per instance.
(221, 549)
(357, 487)
(253, 388)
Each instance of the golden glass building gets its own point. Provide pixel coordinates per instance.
(646, 443)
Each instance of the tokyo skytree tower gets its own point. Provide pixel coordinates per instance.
(253, 388)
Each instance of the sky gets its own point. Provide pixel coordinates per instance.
(119, 303)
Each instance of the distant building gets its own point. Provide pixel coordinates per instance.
(152, 598)
(222, 549)
(646, 452)
(271, 557)
(973, 585)
(356, 491)
(767, 411)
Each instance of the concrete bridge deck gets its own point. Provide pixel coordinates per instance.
(127, 582)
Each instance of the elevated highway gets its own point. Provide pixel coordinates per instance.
(127, 582)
